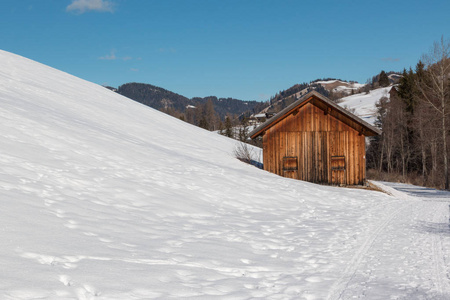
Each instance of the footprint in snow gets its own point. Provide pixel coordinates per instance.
(65, 280)
(87, 292)
(71, 224)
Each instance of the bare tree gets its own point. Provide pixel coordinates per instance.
(388, 136)
(435, 90)
(400, 136)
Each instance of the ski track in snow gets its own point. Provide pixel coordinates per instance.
(441, 273)
(424, 251)
(341, 284)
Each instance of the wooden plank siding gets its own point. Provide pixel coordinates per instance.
(327, 150)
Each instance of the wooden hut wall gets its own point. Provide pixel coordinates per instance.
(325, 149)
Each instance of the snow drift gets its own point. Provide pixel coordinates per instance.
(104, 198)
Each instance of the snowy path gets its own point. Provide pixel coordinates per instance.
(407, 252)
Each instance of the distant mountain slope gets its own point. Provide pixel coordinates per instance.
(284, 98)
(394, 77)
(333, 88)
(160, 99)
(337, 85)
(154, 96)
(225, 106)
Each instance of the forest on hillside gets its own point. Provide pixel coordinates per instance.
(208, 112)
(416, 125)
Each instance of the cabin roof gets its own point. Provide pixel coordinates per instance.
(322, 102)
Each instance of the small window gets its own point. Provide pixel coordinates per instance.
(290, 163)
(338, 163)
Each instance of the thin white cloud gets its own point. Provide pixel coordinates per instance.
(167, 50)
(111, 56)
(390, 59)
(82, 6)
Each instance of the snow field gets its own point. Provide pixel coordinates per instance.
(364, 104)
(103, 198)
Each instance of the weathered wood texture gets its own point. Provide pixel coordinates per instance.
(327, 150)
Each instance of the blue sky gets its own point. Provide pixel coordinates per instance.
(246, 49)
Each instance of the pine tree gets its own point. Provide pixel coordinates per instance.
(406, 90)
(384, 79)
(203, 123)
(228, 127)
(243, 130)
(221, 128)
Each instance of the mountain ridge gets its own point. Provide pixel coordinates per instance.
(162, 99)
(178, 105)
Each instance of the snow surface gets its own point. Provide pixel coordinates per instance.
(364, 104)
(344, 86)
(104, 198)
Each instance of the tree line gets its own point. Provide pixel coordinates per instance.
(415, 123)
(183, 107)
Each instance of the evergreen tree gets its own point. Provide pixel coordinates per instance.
(384, 79)
(228, 127)
(243, 130)
(221, 128)
(415, 123)
(406, 90)
(203, 123)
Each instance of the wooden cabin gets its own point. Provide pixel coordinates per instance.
(316, 140)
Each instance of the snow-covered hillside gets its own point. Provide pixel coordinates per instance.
(340, 86)
(104, 198)
(364, 104)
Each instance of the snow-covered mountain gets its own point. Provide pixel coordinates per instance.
(284, 98)
(362, 104)
(105, 198)
(340, 86)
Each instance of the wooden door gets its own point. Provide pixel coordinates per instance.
(338, 170)
(315, 162)
(338, 159)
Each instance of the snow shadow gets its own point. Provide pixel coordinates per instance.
(392, 289)
(424, 192)
(419, 192)
(436, 228)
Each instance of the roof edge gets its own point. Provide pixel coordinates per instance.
(286, 111)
